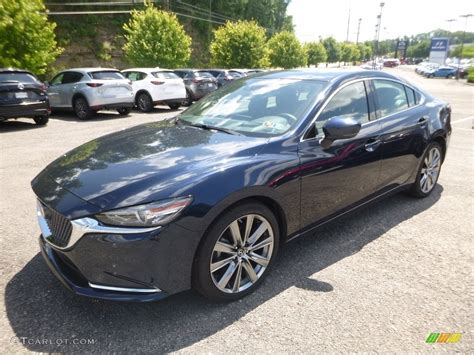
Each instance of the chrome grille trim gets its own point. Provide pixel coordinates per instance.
(78, 227)
(124, 289)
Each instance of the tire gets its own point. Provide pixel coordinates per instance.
(124, 110)
(235, 261)
(174, 106)
(144, 102)
(41, 120)
(81, 109)
(426, 180)
(189, 99)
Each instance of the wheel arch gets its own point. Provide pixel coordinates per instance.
(76, 96)
(142, 91)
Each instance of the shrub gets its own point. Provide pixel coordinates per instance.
(156, 38)
(239, 44)
(285, 51)
(27, 39)
(316, 53)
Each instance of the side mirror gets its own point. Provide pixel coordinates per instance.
(339, 128)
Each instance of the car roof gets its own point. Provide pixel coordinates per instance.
(91, 69)
(14, 70)
(148, 70)
(323, 74)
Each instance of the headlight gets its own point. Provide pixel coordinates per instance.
(149, 215)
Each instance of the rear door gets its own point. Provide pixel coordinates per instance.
(404, 131)
(53, 90)
(68, 87)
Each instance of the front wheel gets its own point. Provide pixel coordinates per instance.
(237, 253)
(124, 110)
(188, 100)
(41, 120)
(144, 102)
(428, 172)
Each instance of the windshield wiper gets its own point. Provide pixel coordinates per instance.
(215, 128)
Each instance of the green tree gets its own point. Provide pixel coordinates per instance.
(285, 51)
(156, 38)
(27, 39)
(467, 52)
(316, 53)
(240, 44)
(420, 49)
(333, 50)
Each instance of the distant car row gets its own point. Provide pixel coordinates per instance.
(88, 90)
(435, 70)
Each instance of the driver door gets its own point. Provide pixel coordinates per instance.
(347, 172)
(54, 90)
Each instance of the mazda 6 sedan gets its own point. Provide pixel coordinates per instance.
(204, 200)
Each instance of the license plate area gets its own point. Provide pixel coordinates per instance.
(21, 95)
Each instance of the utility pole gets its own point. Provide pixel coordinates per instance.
(358, 31)
(462, 43)
(348, 21)
(450, 21)
(210, 23)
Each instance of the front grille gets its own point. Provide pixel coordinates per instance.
(60, 226)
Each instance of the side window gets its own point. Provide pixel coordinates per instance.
(417, 97)
(391, 97)
(410, 96)
(351, 101)
(189, 75)
(71, 77)
(58, 79)
(134, 75)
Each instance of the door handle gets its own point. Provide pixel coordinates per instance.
(372, 145)
(423, 120)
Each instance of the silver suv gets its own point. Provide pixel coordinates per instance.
(88, 90)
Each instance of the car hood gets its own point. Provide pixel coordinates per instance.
(135, 165)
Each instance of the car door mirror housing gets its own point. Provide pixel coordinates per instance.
(339, 128)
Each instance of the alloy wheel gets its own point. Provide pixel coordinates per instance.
(144, 102)
(242, 253)
(81, 108)
(430, 170)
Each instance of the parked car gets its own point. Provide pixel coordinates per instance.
(391, 62)
(22, 95)
(88, 90)
(372, 65)
(205, 199)
(198, 83)
(442, 72)
(223, 76)
(153, 86)
(423, 67)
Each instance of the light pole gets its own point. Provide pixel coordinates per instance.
(462, 43)
(377, 32)
(450, 21)
(348, 21)
(358, 31)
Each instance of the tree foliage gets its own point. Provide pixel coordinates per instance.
(333, 50)
(156, 38)
(467, 52)
(239, 44)
(419, 50)
(285, 51)
(27, 39)
(316, 53)
(349, 52)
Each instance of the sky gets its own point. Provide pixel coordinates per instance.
(314, 18)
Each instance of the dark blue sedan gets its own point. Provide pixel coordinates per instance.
(204, 200)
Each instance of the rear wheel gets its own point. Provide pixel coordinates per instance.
(189, 100)
(144, 102)
(174, 106)
(237, 253)
(428, 172)
(124, 110)
(41, 120)
(81, 109)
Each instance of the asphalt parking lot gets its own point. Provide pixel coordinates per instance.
(381, 279)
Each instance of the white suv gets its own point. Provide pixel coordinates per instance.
(88, 90)
(153, 86)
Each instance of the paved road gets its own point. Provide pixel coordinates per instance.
(379, 280)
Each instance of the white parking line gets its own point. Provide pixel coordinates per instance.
(463, 119)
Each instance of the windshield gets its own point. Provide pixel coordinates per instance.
(106, 75)
(257, 106)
